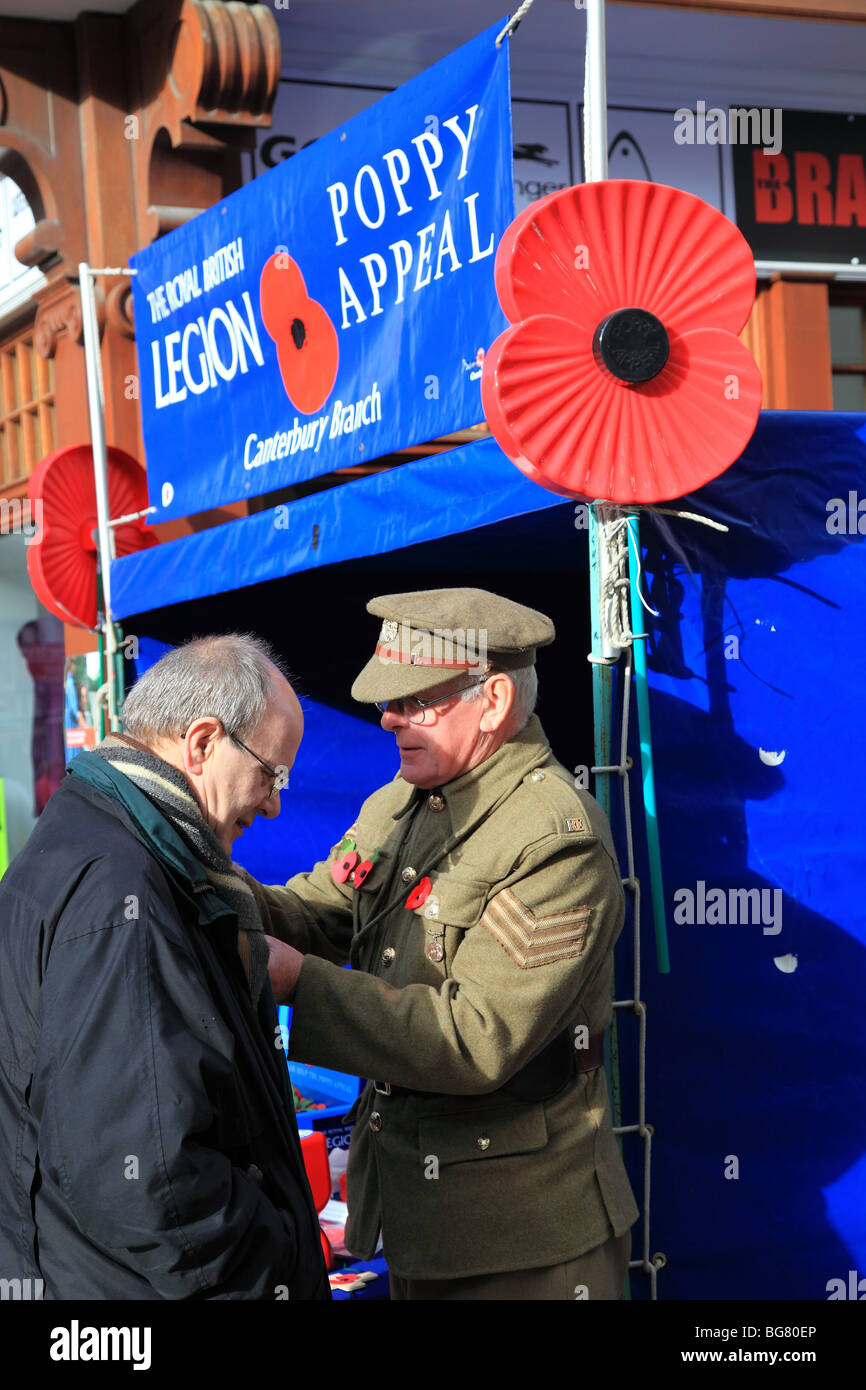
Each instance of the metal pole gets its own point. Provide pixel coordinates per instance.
(595, 168)
(103, 676)
(105, 537)
(646, 757)
(595, 112)
(96, 401)
(833, 269)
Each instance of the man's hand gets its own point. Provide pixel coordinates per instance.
(284, 967)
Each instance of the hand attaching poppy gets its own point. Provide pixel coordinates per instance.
(308, 350)
(622, 377)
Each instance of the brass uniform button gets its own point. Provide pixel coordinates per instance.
(537, 775)
(388, 955)
(375, 1122)
(436, 802)
(408, 875)
(483, 1142)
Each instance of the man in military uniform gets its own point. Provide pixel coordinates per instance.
(478, 899)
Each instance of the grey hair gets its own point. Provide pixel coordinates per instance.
(525, 682)
(228, 678)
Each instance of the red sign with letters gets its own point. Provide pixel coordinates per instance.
(806, 201)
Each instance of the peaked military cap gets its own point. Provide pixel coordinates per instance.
(430, 635)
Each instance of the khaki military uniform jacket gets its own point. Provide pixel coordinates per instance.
(526, 903)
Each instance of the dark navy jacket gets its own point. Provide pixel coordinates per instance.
(148, 1143)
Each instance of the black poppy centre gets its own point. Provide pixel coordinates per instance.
(298, 332)
(632, 343)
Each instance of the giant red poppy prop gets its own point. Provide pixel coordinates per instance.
(621, 377)
(306, 339)
(62, 563)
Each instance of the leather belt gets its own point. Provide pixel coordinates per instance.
(588, 1058)
(384, 1088)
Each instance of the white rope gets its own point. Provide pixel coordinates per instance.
(616, 534)
(614, 527)
(633, 542)
(615, 614)
(690, 516)
(515, 20)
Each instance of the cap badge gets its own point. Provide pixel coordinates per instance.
(388, 633)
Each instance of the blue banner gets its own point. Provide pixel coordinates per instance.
(339, 306)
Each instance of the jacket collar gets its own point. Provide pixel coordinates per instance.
(156, 833)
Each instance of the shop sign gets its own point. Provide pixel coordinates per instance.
(808, 201)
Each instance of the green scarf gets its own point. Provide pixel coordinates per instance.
(166, 815)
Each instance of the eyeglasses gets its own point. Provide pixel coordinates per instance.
(415, 710)
(281, 779)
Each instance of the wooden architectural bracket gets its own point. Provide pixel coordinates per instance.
(118, 308)
(59, 313)
(218, 67)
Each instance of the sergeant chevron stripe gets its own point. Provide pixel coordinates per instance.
(531, 940)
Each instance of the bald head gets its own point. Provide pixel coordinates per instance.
(228, 677)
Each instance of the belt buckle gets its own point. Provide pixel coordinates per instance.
(382, 1088)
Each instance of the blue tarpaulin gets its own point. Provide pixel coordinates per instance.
(756, 1049)
(454, 491)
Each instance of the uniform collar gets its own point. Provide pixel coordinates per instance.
(474, 793)
(412, 798)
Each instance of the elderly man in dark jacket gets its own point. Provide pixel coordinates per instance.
(148, 1145)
